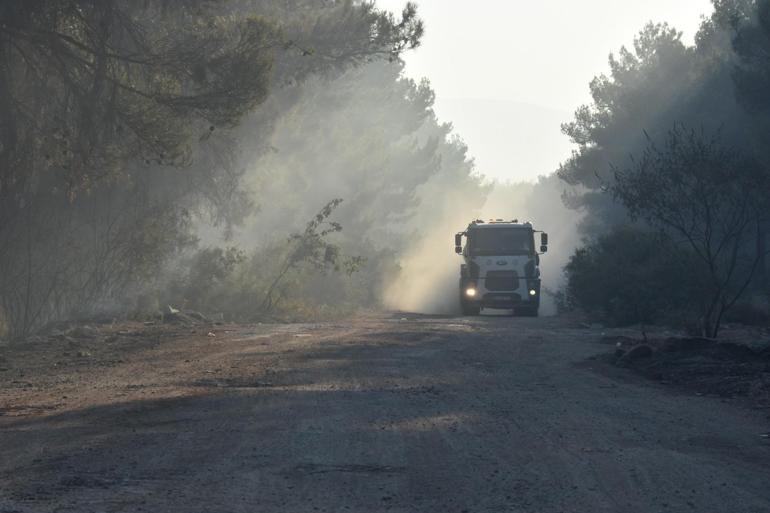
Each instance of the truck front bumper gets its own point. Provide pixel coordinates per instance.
(528, 296)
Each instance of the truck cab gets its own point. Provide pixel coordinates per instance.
(501, 268)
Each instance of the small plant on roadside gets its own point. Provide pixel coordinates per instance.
(312, 248)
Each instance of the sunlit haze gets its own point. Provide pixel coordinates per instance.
(493, 61)
(338, 255)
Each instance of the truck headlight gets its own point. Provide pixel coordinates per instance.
(533, 292)
(470, 292)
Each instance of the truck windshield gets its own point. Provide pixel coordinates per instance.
(501, 241)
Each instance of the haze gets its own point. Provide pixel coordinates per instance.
(249, 263)
(530, 62)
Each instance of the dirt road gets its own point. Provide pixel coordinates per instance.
(384, 413)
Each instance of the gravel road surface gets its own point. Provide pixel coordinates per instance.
(398, 413)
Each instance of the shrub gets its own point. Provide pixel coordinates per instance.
(633, 276)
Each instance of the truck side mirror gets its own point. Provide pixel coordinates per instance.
(543, 242)
(459, 243)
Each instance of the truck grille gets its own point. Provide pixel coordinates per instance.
(502, 280)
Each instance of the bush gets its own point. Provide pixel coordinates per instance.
(632, 276)
(754, 311)
(206, 276)
(5, 329)
(303, 276)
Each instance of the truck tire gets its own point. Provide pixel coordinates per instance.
(470, 309)
(526, 312)
(466, 307)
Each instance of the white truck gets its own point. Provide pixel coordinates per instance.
(502, 267)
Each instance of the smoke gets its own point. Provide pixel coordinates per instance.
(429, 276)
(370, 137)
(429, 270)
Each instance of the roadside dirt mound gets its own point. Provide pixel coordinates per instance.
(705, 366)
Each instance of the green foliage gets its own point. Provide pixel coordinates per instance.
(716, 201)
(708, 194)
(370, 136)
(5, 327)
(205, 276)
(652, 87)
(89, 86)
(274, 280)
(99, 105)
(752, 72)
(119, 130)
(658, 67)
(630, 276)
(311, 248)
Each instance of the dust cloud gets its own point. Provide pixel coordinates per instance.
(408, 185)
(429, 274)
(430, 270)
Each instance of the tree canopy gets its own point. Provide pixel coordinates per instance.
(675, 141)
(118, 129)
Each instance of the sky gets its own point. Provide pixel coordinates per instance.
(507, 73)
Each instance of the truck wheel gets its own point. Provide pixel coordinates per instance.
(526, 312)
(469, 309)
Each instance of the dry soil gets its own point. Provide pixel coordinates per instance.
(398, 413)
